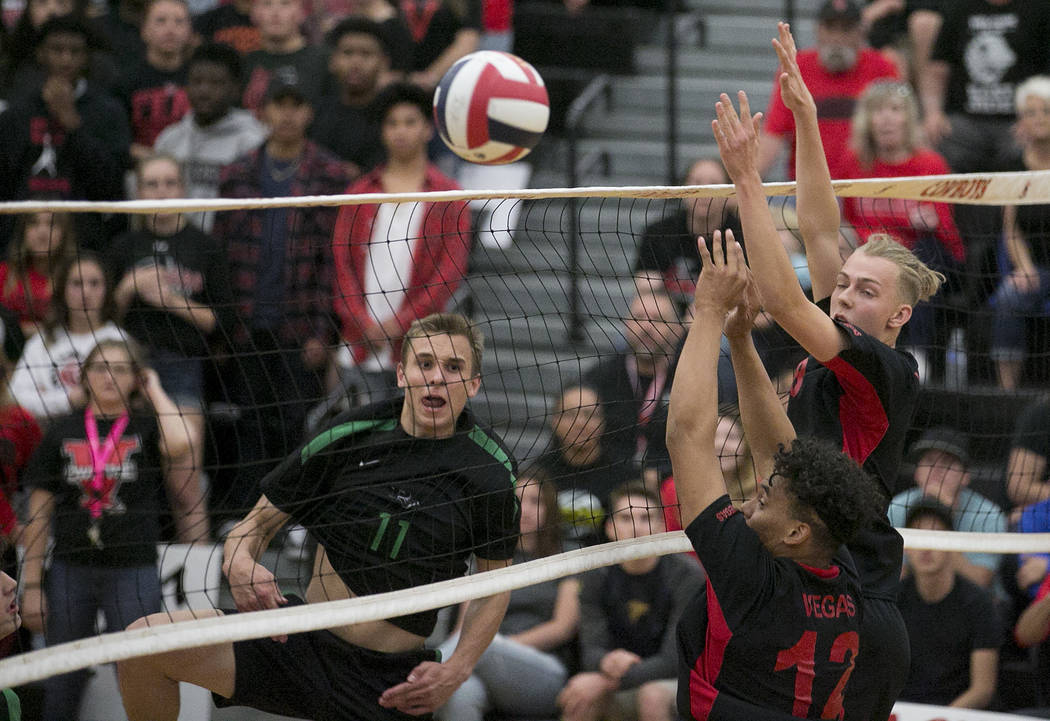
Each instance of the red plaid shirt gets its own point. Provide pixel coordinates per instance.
(308, 265)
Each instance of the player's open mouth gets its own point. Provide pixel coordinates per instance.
(433, 402)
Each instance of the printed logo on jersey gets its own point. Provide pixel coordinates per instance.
(727, 512)
(828, 606)
(121, 468)
(404, 499)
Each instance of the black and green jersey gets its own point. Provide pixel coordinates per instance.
(394, 511)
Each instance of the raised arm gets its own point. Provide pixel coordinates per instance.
(765, 420)
(737, 137)
(693, 409)
(818, 209)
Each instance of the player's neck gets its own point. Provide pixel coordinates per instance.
(934, 587)
(285, 149)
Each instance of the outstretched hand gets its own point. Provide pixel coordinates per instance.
(428, 686)
(741, 318)
(737, 136)
(793, 90)
(724, 276)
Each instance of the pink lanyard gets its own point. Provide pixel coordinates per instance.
(99, 457)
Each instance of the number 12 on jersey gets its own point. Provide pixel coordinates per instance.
(377, 540)
(802, 656)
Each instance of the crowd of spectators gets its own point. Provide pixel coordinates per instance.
(264, 309)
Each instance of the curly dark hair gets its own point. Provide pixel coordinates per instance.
(828, 490)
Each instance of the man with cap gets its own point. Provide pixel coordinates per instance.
(836, 70)
(953, 627)
(942, 472)
(280, 267)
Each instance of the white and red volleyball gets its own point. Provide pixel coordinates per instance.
(491, 108)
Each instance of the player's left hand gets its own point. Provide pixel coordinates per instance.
(737, 136)
(724, 275)
(428, 686)
(793, 90)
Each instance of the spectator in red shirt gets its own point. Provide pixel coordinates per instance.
(42, 242)
(887, 143)
(836, 71)
(397, 262)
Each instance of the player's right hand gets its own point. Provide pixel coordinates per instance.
(254, 588)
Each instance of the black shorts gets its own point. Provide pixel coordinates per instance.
(317, 675)
(882, 664)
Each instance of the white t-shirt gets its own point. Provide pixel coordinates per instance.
(47, 371)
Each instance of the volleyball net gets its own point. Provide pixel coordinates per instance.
(582, 296)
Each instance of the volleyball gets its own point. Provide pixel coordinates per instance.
(491, 108)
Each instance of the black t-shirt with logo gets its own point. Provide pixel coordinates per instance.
(779, 634)
(129, 524)
(991, 48)
(394, 511)
(154, 99)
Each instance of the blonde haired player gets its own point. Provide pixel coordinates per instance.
(855, 388)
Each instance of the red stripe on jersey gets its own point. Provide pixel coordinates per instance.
(861, 413)
(829, 572)
(702, 691)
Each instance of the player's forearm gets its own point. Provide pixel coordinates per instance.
(250, 537)
(774, 274)
(693, 414)
(766, 425)
(818, 209)
(480, 624)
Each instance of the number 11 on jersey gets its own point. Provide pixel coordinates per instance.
(377, 540)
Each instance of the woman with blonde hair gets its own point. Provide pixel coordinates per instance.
(887, 142)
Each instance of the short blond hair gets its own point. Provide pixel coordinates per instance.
(447, 324)
(915, 281)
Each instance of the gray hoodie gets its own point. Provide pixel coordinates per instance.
(204, 152)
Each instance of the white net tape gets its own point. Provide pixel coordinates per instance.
(1022, 188)
(130, 644)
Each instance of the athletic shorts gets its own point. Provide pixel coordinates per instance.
(317, 675)
(882, 664)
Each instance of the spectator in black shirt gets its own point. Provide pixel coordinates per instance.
(953, 625)
(67, 140)
(443, 32)
(174, 295)
(346, 121)
(284, 55)
(153, 89)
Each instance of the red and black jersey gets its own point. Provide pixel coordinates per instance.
(394, 511)
(863, 399)
(779, 634)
